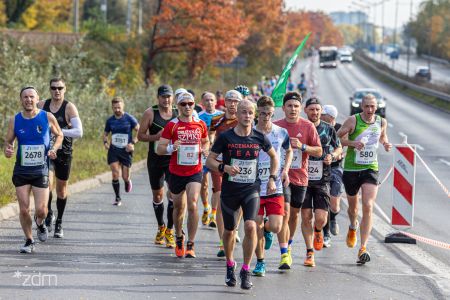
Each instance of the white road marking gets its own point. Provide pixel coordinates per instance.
(445, 162)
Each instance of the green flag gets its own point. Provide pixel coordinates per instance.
(280, 88)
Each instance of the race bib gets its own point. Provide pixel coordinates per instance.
(315, 169)
(296, 159)
(247, 171)
(32, 155)
(366, 156)
(119, 140)
(188, 155)
(264, 170)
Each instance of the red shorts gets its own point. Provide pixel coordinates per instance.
(272, 205)
(216, 181)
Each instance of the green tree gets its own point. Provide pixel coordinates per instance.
(3, 17)
(15, 9)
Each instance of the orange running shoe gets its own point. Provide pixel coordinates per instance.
(309, 260)
(180, 251)
(352, 237)
(318, 240)
(363, 256)
(190, 253)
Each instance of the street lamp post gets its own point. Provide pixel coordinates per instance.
(76, 5)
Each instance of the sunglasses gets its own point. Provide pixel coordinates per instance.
(54, 88)
(183, 104)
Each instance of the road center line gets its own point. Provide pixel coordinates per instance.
(445, 162)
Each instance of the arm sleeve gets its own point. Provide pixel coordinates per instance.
(77, 128)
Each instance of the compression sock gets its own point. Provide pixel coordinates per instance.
(170, 214)
(61, 206)
(159, 212)
(116, 187)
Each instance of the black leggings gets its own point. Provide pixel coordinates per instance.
(230, 208)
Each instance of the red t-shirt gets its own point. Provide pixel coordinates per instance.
(220, 103)
(186, 161)
(306, 132)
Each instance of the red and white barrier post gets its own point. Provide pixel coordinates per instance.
(403, 193)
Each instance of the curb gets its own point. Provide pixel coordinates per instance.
(11, 210)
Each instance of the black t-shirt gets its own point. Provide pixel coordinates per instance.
(329, 141)
(242, 151)
(337, 163)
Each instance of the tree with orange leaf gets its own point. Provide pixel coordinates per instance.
(207, 30)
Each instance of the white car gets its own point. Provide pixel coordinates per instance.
(346, 58)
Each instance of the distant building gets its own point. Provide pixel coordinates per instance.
(349, 18)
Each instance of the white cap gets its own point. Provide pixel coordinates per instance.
(184, 96)
(330, 110)
(233, 95)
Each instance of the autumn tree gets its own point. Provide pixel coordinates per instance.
(350, 33)
(47, 15)
(3, 17)
(207, 31)
(15, 9)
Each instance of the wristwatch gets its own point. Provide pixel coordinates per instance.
(274, 177)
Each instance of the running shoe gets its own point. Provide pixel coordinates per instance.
(212, 221)
(246, 284)
(334, 227)
(285, 264)
(268, 236)
(169, 237)
(205, 216)
(117, 202)
(49, 220)
(351, 237)
(318, 241)
(230, 278)
(190, 253)
(309, 260)
(260, 269)
(180, 251)
(290, 255)
(28, 247)
(42, 232)
(59, 232)
(237, 237)
(363, 256)
(159, 239)
(128, 186)
(326, 241)
(221, 252)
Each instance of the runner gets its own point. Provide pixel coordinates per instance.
(121, 147)
(150, 129)
(305, 141)
(220, 124)
(32, 128)
(240, 147)
(66, 114)
(317, 198)
(329, 115)
(209, 103)
(188, 141)
(362, 133)
(272, 205)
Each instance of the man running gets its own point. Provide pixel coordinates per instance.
(188, 140)
(240, 148)
(305, 141)
(220, 124)
(121, 147)
(66, 114)
(329, 115)
(32, 128)
(362, 133)
(209, 112)
(317, 198)
(271, 205)
(151, 126)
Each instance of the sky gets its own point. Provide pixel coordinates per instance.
(346, 5)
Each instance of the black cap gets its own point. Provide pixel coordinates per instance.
(164, 90)
(311, 101)
(292, 96)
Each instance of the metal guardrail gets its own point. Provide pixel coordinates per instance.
(435, 59)
(412, 86)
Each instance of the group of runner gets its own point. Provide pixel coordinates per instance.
(265, 174)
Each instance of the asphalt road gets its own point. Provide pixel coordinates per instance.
(108, 253)
(440, 73)
(424, 125)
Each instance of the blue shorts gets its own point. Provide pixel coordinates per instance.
(336, 183)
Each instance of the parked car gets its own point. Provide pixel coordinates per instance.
(358, 95)
(423, 73)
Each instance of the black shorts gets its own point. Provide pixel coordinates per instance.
(317, 197)
(40, 181)
(295, 195)
(354, 179)
(157, 176)
(61, 166)
(120, 155)
(230, 208)
(177, 184)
